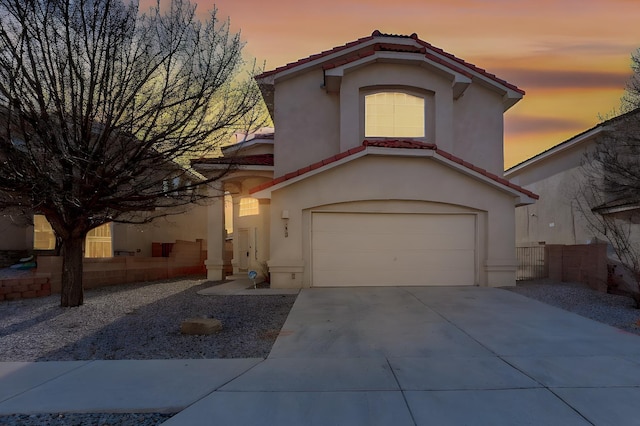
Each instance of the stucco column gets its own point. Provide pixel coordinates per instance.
(501, 262)
(235, 262)
(215, 234)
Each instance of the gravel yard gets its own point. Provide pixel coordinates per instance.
(140, 321)
(615, 310)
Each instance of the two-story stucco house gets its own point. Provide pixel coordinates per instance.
(385, 169)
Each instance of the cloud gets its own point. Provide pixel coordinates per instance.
(519, 125)
(593, 47)
(564, 79)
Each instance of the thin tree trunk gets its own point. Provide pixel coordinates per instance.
(72, 293)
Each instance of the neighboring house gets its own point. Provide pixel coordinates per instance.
(386, 168)
(110, 239)
(188, 222)
(556, 175)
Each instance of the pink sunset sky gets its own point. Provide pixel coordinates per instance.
(572, 57)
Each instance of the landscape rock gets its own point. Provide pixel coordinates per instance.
(200, 326)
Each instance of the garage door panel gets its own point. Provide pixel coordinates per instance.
(389, 277)
(352, 241)
(390, 259)
(451, 231)
(392, 249)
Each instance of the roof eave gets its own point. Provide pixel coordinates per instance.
(247, 144)
(460, 79)
(520, 197)
(561, 147)
(616, 209)
(204, 168)
(571, 142)
(510, 98)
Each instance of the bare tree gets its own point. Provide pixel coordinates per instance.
(609, 198)
(102, 107)
(631, 98)
(614, 219)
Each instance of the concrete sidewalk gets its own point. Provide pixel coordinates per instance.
(373, 356)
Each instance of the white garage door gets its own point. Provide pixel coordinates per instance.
(373, 249)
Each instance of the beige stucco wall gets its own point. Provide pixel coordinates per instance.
(478, 128)
(307, 120)
(16, 235)
(188, 226)
(554, 218)
(313, 124)
(391, 184)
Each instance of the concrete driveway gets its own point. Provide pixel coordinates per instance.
(432, 356)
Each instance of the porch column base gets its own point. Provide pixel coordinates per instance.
(501, 272)
(215, 269)
(236, 267)
(286, 274)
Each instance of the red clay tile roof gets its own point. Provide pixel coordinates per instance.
(344, 61)
(314, 57)
(393, 47)
(386, 47)
(472, 66)
(240, 160)
(395, 143)
(399, 143)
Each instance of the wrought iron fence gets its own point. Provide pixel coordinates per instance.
(531, 263)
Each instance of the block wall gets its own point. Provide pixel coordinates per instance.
(187, 258)
(24, 288)
(583, 263)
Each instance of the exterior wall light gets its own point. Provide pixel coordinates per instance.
(285, 219)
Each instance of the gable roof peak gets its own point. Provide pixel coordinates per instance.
(378, 33)
(433, 53)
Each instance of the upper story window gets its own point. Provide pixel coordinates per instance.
(394, 114)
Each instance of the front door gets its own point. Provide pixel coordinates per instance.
(243, 249)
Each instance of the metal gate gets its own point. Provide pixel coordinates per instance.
(531, 263)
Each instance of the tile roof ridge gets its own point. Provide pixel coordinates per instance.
(399, 143)
(378, 33)
(315, 56)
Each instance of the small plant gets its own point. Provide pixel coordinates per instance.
(264, 269)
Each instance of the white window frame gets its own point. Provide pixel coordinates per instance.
(429, 110)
